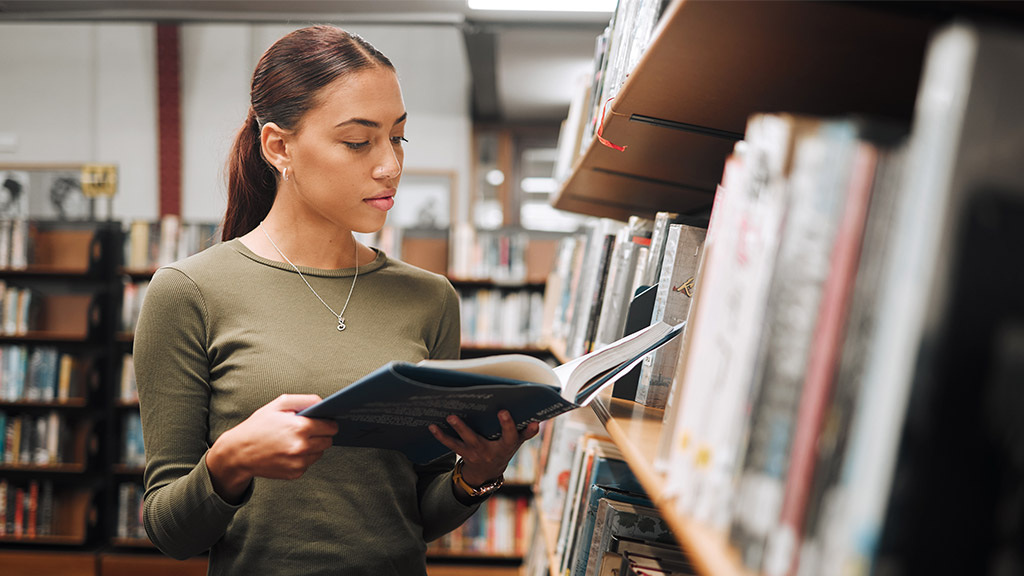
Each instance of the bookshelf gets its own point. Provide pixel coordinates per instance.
(54, 403)
(709, 67)
(712, 64)
(636, 430)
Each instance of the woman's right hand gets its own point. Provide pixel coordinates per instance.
(275, 442)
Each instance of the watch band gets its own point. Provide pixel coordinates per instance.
(485, 489)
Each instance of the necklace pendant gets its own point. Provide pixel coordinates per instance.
(341, 323)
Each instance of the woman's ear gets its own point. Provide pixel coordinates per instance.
(274, 144)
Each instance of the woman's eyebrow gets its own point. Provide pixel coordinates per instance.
(369, 123)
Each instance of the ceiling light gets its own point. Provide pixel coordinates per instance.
(545, 5)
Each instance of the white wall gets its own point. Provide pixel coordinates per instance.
(85, 92)
(78, 93)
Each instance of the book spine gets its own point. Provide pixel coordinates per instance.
(782, 548)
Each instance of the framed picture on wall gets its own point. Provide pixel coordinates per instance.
(62, 192)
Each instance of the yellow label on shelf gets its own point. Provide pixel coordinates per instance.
(99, 180)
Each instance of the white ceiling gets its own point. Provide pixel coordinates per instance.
(524, 65)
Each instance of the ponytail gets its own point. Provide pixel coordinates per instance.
(252, 183)
(285, 83)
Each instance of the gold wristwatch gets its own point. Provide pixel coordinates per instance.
(480, 491)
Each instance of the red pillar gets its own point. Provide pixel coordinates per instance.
(168, 65)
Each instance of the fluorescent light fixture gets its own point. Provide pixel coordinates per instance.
(545, 5)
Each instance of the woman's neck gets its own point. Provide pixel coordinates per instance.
(305, 245)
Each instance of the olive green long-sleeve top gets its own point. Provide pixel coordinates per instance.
(225, 332)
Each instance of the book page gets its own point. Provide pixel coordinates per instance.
(511, 366)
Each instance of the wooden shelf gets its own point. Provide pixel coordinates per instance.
(25, 563)
(486, 349)
(69, 403)
(435, 568)
(442, 554)
(132, 543)
(131, 564)
(43, 271)
(523, 284)
(128, 470)
(636, 431)
(60, 468)
(713, 64)
(63, 337)
(137, 274)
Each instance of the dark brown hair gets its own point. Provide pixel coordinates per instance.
(285, 86)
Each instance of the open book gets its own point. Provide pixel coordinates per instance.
(392, 406)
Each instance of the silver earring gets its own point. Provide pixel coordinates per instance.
(284, 174)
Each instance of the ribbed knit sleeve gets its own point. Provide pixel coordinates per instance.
(441, 511)
(183, 515)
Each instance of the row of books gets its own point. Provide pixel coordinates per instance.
(614, 278)
(843, 399)
(494, 255)
(14, 243)
(133, 293)
(499, 527)
(31, 439)
(604, 520)
(150, 244)
(133, 451)
(16, 311)
(128, 390)
(26, 508)
(616, 52)
(501, 317)
(522, 469)
(41, 374)
(129, 511)
(805, 207)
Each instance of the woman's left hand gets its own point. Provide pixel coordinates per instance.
(484, 460)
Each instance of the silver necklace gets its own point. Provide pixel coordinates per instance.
(339, 315)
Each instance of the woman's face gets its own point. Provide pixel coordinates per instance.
(346, 153)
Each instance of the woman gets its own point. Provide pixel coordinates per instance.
(232, 342)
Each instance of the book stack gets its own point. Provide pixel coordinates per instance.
(151, 244)
(494, 255)
(605, 521)
(133, 293)
(501, 317)
(29, 439)
(16, 309)
(133, 452)
(26, 508)
(498, 528)
(616, 52)
(129, 511)
(14, 243)
(614, 278)
(40, 374)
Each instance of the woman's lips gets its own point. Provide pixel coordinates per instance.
(383, 203)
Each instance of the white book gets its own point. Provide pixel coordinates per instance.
(671, 305)
(966, 136)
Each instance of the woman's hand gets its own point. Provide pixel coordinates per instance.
(484, 459)
(274, 442)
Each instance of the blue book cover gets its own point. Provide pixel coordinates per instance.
(607, 472)
(392, 407)
(617, 492)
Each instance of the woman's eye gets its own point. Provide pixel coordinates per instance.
(398, 140)
(357, 145)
